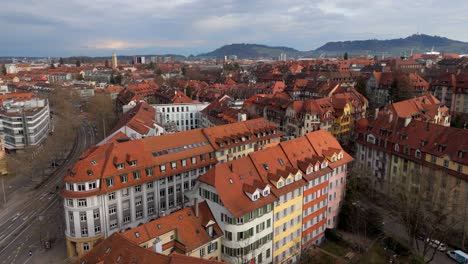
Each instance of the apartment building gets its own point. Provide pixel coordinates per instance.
(185, 116)
(191, 231)
(243, 207)
(136, 123)
(452, 91)
(275, 202)
(24, 120)
(336, 114)
(426, 108)
(230, 141)
(122, 183)
(413, 157)
(274, 168)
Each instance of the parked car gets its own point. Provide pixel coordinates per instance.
(459, 256)
(437, 244)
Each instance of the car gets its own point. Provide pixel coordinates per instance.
(437, 244)
(458, 255)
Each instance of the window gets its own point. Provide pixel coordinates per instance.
(138, 188)
(125, 192)
(84, 231)
(85, 246)
(81, 202)
(139, 214)
(96, 214)
(110, 181)
(194, 160)
(81, 187)
(111, 196)
(149, 185)
(83, 217)
(149, 171)
(162, 167)
(133, 163)
(70, 202)
(123, 178)
(184, 163)
(202, 252)
(136, 175)
(417, 154)
(97, 229)
(174, 165)
(446, 163)
(120, 166)
(112, 210)
(113, 224)
(91, 185)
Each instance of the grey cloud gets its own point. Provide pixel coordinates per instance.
(96, 27)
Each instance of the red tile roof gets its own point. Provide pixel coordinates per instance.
(190, 230)
(118, 249)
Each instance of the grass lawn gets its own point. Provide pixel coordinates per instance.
(335, 248)
(376, 255)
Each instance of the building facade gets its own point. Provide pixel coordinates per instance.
(185, 116)
(275, 202)
(24, 122)
(122, 183)
(413, 157)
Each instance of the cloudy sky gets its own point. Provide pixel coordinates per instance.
(99, 27)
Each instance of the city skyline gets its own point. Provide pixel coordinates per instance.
(97, 28)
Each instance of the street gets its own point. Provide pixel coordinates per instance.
(37, 214)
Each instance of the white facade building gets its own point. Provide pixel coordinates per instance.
(185, 116)
(24, 123)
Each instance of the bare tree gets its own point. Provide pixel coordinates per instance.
(101, 108)
(425, 216)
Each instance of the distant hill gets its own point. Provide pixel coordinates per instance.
(243, 51)
(417, 42)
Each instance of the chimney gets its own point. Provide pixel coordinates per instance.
(157, 245)
(407, 121)
(195, 205)
(376, 113)
(241, 117)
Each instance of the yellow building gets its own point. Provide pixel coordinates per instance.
(287, 184)
(287, 223)
(342, 123)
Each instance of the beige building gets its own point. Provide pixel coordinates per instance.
(191, 231)
(413, 157)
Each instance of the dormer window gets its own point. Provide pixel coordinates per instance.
(255, 196)
(289, 181)
(265, 166)
(132, 163)
(266, 192)
(317, 167)
(340, 156)
(280, 184)
(298, 176)
(310, 170)
(89, 172)
(417, 154)
(94, 162)
(120, 166)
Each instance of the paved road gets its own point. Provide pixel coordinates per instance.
(40, 214)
